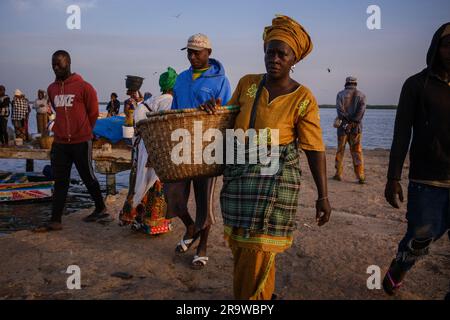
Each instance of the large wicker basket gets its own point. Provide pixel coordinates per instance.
(156, 133)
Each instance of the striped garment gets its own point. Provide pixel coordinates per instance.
(198, 73)
(262, 205)
(20, 109)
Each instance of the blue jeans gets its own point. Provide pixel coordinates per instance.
(428, 220)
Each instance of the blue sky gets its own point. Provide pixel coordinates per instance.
(144, 37)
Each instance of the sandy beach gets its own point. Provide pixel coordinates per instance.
(324, 263)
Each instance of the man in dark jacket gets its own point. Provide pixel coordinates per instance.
(76, 105)
(424, 111)
(4, 114)
(113, 106)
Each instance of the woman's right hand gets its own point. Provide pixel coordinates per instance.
(211, 105)
(323, 211)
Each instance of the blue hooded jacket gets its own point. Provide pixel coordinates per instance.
(189, 93)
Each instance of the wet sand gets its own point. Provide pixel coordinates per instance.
(324, 263)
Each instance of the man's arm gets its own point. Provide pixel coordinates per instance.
(318, 166)
(211, 105)
(342, 114)
(402, 130)
(225, 92)
(400, 144)
(91, 103)
(360, 110)
(174, 101)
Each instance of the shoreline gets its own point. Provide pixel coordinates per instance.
(325, 106)
(369, 107)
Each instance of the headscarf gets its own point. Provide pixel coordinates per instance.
(290, 32)
(167, 79)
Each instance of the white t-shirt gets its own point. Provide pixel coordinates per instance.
(41, 106)
(160, 103)
(147, 177)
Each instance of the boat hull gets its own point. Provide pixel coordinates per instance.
(31, 191)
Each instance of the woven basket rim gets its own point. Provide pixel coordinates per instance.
(192, 112)
(156, 131)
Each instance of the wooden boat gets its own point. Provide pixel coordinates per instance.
(29, 187)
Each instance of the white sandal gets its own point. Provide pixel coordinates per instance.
(202, 260)
(186, 244)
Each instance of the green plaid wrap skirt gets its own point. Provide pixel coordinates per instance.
(262, 204)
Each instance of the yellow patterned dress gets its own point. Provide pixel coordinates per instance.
(259, 212)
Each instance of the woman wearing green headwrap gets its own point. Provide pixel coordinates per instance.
(145, 207)
(167, 81)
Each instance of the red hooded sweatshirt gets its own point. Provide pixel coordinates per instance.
(76, 105)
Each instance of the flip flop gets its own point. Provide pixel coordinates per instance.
(393, 280)
(199, 262)
(185, 244)
(389, 285)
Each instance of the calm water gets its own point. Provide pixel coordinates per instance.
(378, 130)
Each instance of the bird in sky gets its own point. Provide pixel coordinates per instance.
(329, 70)
(178, 15)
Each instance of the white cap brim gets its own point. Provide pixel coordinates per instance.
(194, 48)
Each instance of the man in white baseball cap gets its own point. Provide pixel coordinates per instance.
(198, 42)
(204, 81)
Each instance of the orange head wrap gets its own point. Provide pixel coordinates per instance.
(290, 32)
